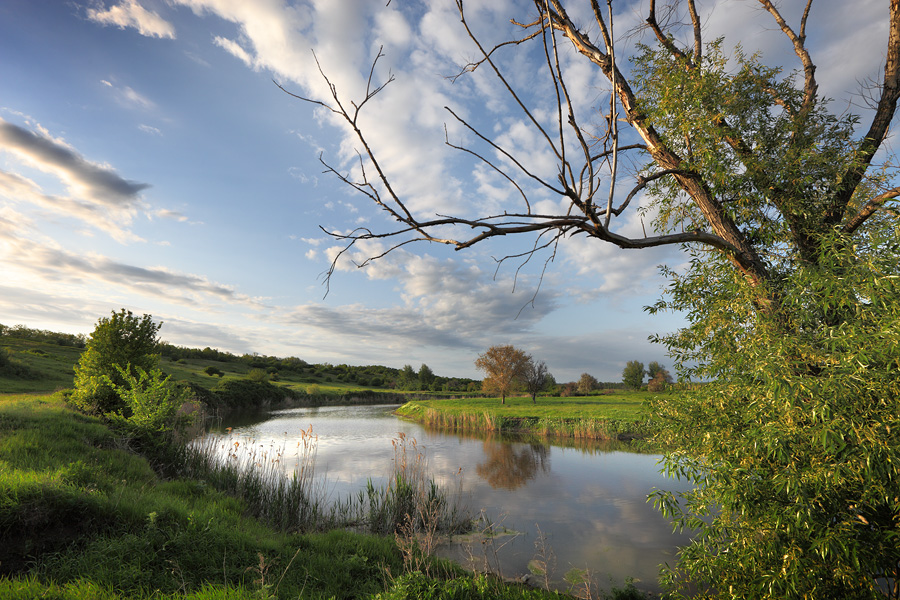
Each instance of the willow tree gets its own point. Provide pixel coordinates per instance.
(788, 213)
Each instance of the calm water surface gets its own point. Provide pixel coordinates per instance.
(588, 503)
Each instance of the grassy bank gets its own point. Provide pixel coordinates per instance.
(622, 415)
(83, 516)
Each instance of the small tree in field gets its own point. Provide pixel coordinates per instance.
(537, 377)
(633, 374)
(505, 368)
(587, 384)
(121, 341)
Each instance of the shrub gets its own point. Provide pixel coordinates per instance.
(120, 340)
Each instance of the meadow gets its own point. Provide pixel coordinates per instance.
(603, 416)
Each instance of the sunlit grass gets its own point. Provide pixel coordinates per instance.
(602, 417)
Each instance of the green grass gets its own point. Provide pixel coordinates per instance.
(607, 416)
(49, 365)
(618, 405)
(83, 516)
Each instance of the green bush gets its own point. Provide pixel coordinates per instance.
(120, 340)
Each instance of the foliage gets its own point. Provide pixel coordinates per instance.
(43, 335)
(793, 444)
(258, 376)
(659, 377)
(243, 393)
(416, 586)
(151, 400)
(120, 340)
(426, 377)
(587, 383)
(633, 374)
(654, 369)
(211, 371)
(505, 368)
(408, 379)
(13, 367)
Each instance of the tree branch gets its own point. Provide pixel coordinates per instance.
(869, 209)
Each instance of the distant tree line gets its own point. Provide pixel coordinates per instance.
(42, 335)
(405, 379)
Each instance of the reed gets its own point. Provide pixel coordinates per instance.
(280, 488)
(277, 483)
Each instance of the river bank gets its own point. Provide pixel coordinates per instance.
(622, 416)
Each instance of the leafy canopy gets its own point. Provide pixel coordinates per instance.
(792, 444)
(121, 340)
(505, 368)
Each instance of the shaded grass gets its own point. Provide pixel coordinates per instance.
(47, 367)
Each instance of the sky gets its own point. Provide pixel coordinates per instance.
(149, 161)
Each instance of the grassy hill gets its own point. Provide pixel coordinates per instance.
(30, 365)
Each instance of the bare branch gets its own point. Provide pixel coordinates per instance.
(698, 32)
(664, 40)
(505, 153)
(810, 87)
(881, 121)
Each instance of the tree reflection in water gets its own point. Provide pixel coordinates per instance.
(511, 465)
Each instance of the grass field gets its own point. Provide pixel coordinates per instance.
(606, 416)
(618, 405)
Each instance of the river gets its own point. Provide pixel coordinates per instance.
(587, 506)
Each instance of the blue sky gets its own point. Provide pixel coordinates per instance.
(148, 161)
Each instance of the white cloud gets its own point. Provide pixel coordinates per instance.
(54, 263)
(131, 14)
(150, 129)
(129, 97)
(165, 213)
(234, 49)
(97, 195)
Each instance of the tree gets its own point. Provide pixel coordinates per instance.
(426, 377)
(587, 383)
(258, 375)
(787, 210)
(654, 368)
(633, 374)
(505, 368)
(536, 378)
(658, 377)
(121, 341)
(408, 380)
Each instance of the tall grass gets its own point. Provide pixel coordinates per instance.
(411, 502)
(577, 428)
(279, 486)
(277, 483)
